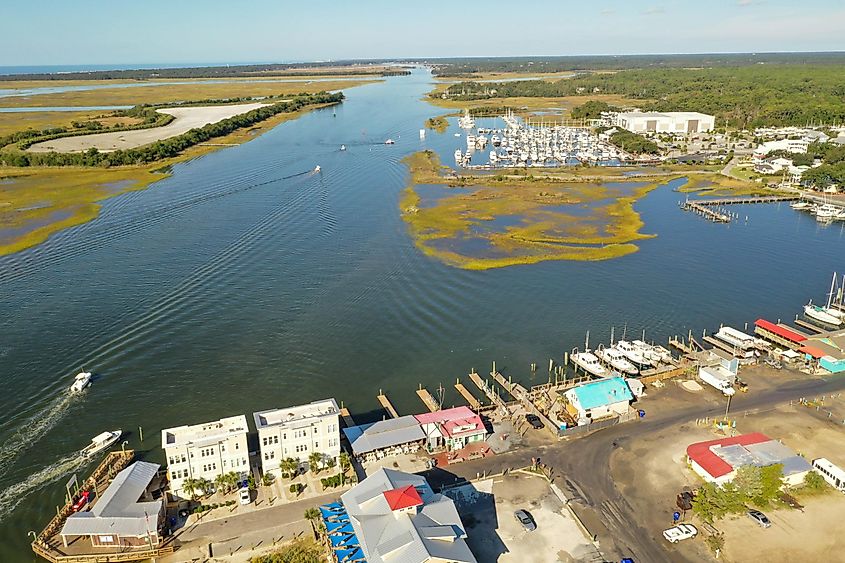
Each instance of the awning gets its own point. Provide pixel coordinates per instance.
(812, 351)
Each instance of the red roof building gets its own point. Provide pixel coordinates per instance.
(402, 498)
(779, 334)
(451, 428)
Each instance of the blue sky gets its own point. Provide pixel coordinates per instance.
(187, 31)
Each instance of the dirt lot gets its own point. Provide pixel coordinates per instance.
(488, 507)
(650, 474)
(185, 119)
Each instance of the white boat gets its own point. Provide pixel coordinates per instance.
(827, 212)
(589, 363)
(100, 442)
(317, 168)
(820, 314)
(617, 360)
(343, 147)
(466, 121)
(458, 154)
(801, 205)
(633, 353)
(81, 381)
(648, 352)
(390, 142)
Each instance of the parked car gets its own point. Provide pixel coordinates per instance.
(81, 502)
(771, 362)
(526, 520)
(534, 421)
(680, 532)
(760, 518)
(245, 496)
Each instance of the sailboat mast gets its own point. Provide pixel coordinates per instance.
(830, 295)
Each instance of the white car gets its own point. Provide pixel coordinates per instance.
(680, 532)
(245, 496)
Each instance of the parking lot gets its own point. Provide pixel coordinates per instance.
(487, 509)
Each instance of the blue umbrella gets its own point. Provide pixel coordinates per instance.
(356, 555)
(347, 528)
(341, 540)
(343, 554)
(335, 527)
(334, 506)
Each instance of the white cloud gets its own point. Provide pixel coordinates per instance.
(652, 10)
(608, 12)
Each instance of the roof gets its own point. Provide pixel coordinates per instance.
(453, 422)
(601, 393)
(812, 351)
(702, 452)
(205, 433)
(118, 511)
(296, 414)
(405, 497)
(433, 533)
(384, 434)
(781, 331)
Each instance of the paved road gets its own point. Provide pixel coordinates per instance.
(582, 469)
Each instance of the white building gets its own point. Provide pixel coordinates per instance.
(205, 451)
(795, 146)
(598, 399)
(297, 432)
(675, 122)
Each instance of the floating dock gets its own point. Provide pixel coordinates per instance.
(387, 405)
(427, 399)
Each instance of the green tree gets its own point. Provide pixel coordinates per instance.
(288, 467)
(813, 481)
(267, 479)
(749, 481)
(315, 461)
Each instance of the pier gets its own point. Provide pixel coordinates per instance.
(473, 403)
(706, 212)
(704, 207)
(809, 326)
(386, 404)
(428, 400)
(484, 388)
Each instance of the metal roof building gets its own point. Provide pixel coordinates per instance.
(124, 515)
(599, 399)
(397, 518)
(384, 434)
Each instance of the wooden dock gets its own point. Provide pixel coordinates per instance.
(681, 345)
(346, 417)
(720, 345)
(488, 392)
(705, 211)
(746, 200)
(427, 399)
(474, 403)
(809, 326)
(387, 405)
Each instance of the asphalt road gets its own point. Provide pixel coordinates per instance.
(582, 469)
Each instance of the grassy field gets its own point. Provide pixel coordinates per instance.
(438, 124)
(36, 202)
(38, 120)
(548, 76)
(546, 219)
(717, 185)
(174, 93)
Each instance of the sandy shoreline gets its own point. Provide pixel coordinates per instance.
(186, 118)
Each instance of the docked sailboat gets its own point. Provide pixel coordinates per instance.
(466, 121)
(802, 204)
(821, 314)
(616, 359)
(81, 381)
(100, 442)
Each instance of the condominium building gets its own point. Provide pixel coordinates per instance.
(297, 432)
(205, 451)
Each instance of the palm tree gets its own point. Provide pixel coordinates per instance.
(330, 463)
(313, 516)
(233, 478)
(202, 484)
(345, 461)
(267, 479)
(221, 482)
(314, 461)
(190, 486)
(288, 467)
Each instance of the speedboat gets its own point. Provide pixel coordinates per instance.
(633, 353)
(821, 314)
(617, 360)
(458, 155)
(343, 147)
(81, 381)
(390, 142)
(100, 442)
(317, 168)
(801, 205)
(589, 363)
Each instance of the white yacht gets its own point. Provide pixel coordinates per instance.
(589, 363)
(81, 381)
(648, 352)
(633, 353)
(100, 442)
(821, 314)
(801, 204)
(827, 212)
(343, 147)
(390, 142)
(617, 360)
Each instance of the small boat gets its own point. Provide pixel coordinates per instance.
(81, 381)
(801, 205)
(589, 363)
(617, 360)
(390, 142)
(647, 351)
(343, 147)
(633, 353)
(458, 154)
(827, 212)
(100, 442)
(317, 168)
(821, 314)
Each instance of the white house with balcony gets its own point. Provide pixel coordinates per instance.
(297, 432)
(205, 451)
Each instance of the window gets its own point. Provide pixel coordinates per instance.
(237, 445)
(275, 439)
(222, 448)
(264, 441)
(316, 445)
(183, 458)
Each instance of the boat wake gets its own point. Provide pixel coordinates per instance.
(32, 429)
(12, 496)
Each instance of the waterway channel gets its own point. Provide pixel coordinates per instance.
(245, 282)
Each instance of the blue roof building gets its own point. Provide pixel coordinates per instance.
(600, 399)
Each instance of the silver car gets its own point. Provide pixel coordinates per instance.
(760, 518)
(525, 519)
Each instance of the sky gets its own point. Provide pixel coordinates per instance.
(65, 32)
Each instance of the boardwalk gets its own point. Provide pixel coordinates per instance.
(427, 399)
(474, 403)
(387, 405)
(704, 207)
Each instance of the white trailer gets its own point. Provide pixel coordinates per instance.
(718, 378)
(831, 473)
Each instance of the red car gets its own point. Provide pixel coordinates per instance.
(81, 502)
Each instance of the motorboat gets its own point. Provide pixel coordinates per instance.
(81, 381)
(390, 142)
(821, 314)
(633, 353)
(801, 205)
(317, 168)
(647, 350)
(458, 154)
(616, 360)
(100, 442)
(827, 212)
(589, 363)
(343, 147)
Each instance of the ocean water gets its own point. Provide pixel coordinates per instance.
(247, 281)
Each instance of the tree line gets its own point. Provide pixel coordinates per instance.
(166, 148)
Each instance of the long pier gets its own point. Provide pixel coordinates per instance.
(387, 405)
(705, 211)
(704, 206)
(474, 403)
(484, 388)
(809, 326)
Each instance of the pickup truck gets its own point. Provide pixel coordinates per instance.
(680, 532)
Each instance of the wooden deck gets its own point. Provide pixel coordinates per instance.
(474, 403)
(387, 405)
(427, 399)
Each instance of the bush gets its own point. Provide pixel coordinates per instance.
(813, 481)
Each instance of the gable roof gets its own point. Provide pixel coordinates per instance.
(453, 422)
(603, 392)
(404, 497)
(383, 434)
(781, 331)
